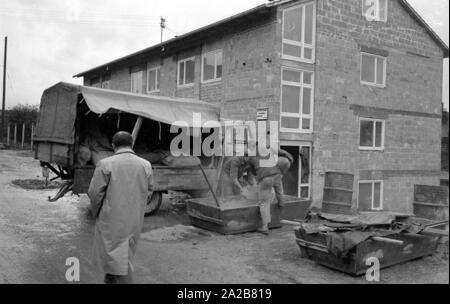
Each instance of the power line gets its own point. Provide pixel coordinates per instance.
(89, 22)
(90, 14)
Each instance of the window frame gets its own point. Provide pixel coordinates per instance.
(383, 134)
(300, 185)
(373, 182)
(373, 84)
(131, 81)
(184, 85)
(378, 10)
(301, 44)
(300, 115)
(157, 69)
(215, 79)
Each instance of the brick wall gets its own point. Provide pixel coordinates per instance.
(410, 103)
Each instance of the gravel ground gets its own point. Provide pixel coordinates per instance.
(37, 236)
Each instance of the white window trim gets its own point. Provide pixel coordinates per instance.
(373, 182)
(300, 145)
(383, 132)
(374, 84)
(300, 115)
(378, 17)
(215, 79)
(131, 81)
(184, 73)
(158, 71)
(300, 44)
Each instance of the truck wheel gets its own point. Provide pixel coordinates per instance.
(153, 204)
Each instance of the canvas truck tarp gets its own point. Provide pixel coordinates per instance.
(58, 109)
(57, 114)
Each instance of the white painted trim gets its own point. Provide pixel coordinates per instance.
(373, 182)
(184, 72)
(158, 71)
(301, 144)
(215, 79)
(374, 84)
(301, 44)
(131, 81)
(383, 135)
(299, 115)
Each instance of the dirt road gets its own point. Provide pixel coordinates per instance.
(37, 236)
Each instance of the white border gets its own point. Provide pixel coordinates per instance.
(373, 182)
(158, 75)
(301, 144)
(302, 44)
(300, 115)
(131, 81)
(374, 84)
(383, 137)
(215, 79)
(184, 73)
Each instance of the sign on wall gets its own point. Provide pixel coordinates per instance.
(262, 114)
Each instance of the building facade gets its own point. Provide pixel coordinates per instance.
(356, 87)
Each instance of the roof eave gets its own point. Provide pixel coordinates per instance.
(428, 28)
(175, 39)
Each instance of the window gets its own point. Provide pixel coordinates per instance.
(370, 195)
(186, 72)
(371, 134)
(106, 81)
(375, 10)
(373, 70)
(297, 92)
(297, 181)
(212, 67)
(95, 82)
(106, 84)
(136, 82)
(299, 32)
(153, 77)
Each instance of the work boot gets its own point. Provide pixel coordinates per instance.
(264, 231)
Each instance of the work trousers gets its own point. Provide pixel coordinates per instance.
(266, 187)
(120, 279)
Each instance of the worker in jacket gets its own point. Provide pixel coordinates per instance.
(270, 179)
(118, 192)
(233, 171)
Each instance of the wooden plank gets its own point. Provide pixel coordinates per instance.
(137, 128)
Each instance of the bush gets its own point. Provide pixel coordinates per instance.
(23, 114)
(20, 114)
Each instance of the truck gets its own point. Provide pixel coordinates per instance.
(76, 124)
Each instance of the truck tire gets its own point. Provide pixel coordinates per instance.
(153, 203)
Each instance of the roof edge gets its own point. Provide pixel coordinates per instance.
(181, 37)
(404, 3)
(428, 28)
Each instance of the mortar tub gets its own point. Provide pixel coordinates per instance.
(239, 215)
(415, 246)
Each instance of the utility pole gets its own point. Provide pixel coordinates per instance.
(163, 26)
(4, 91)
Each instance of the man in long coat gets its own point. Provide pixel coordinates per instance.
(118, 192)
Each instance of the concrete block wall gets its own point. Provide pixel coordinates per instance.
(248, 77)
(410, 103)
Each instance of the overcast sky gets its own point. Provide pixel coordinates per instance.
(51, 40)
